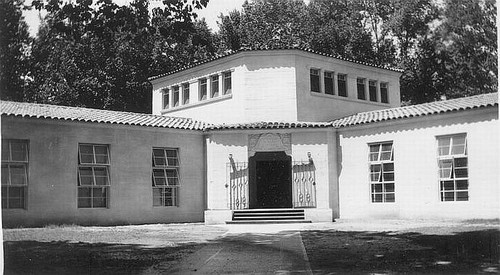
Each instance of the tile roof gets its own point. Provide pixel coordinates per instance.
(33, 110)
(21, 109)
(271, 49)
(437, 107)
(269, 125)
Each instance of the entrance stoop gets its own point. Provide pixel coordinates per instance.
(282, 215)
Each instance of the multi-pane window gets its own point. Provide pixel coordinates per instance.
(314, 79)
(166, 98)
(175, 96)
(214, 86)
(227, 83)
(453, 168)
(361, 88)
(202, 87)
(382, 172)
(93, 176)
(384, 94)
(329, 84)
(372, 90)
(165, 177)
(185, 93)
(342, 84)
(14, 173)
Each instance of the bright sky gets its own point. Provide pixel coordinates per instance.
(210, 13)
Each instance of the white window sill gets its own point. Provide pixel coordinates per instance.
(198, 103)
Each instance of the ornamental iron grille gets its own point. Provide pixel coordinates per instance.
(237, 174)
(304, 184)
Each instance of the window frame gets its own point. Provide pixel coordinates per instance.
(315, 76)
(342, 90)
(214, 86)
(332, 82)
(361, 88)
(202, 89)
(379, 187)
(227, 83)
(165, 199)
(384, 92)
(176, 96)
(93, 186)
(8, 187)
(453, 160)
(372, 94)
(165, 98)
(185, 93)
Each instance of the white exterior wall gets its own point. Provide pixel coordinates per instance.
(314, 106)
(416, 171)
(263, 88)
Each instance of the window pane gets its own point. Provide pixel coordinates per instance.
(461, 173)
(460, 162)
(157, 197)
(86, 159)
(101, 150)
(462, 196)
(342, 84)
(314, 78)
(448, 196)
(159, 157)
(215, 86)
(388, 176)
(5, 150)
(377, 188)
(375, 172)
(361, 89)
(389, 197)
(389, 187)
(159, 177)
(185, 93)
(172, 158)
(458, 149)
(329, 85)
(388, 167)
(373, 93)
(5, 192)
(447, 185)
(18, 175)
(86, 176)
(445, 168)
(5, 175)
(462, 184)
(227, 83)
(444, 146)
(99, 196)
(203, 89)
(101, 175)
(172, 177)
(376, 197)
(86, 149)
(19, 151)
(166, 98)
(384, 96)
(101, 159)
(84, 198)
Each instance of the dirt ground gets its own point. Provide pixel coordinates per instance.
(345, 246)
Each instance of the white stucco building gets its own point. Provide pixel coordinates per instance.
(255, 135)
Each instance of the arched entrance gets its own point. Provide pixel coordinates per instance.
(270, 180)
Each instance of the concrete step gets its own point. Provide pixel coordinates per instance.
(267, 221)
(283, 215)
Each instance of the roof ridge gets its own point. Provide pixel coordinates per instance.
(266, 48)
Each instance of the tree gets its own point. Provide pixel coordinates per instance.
(101, 55)
(14, 47)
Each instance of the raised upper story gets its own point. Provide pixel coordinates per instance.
(275, 85)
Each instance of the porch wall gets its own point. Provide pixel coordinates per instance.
(220, 145)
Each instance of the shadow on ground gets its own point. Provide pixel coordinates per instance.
(339, 252)
(30, 257)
